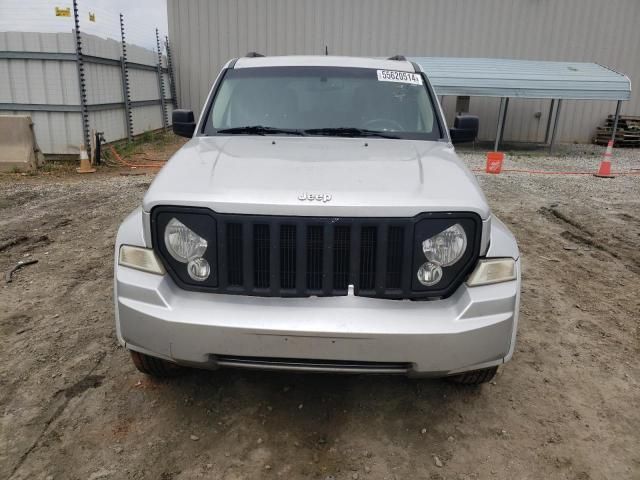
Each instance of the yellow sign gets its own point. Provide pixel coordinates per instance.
(92, 16)
(63, 12)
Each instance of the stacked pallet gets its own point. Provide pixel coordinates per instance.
(627, 133)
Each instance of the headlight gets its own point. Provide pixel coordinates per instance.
(441, 250)
(143, 259)
(447, 247)
(493, 270)
(182, 243)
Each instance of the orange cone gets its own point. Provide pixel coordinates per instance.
(605, 165)
(85, 164)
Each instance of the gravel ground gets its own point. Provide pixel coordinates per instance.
(72, 405)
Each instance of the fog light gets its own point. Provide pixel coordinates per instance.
(198, 269)
(429, 274)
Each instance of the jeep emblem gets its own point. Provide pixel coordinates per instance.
(318, 197)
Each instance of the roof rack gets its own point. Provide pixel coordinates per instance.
(254, 55)
(400, 58)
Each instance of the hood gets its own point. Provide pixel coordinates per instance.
(363, 177)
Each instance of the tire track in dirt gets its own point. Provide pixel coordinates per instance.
(578, 233)
(59, 403)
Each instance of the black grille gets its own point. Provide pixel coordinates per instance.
(321, 256)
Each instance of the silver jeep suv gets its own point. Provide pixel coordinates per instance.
(318, 220)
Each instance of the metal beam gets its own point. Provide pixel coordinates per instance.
(99, 107)
(555, 126)
(502, 118)
(163, 106)
(172, 78)
(82, 88)
(142, 66)
(124, 75)
(615, 121)
(96, 107)
(101, 60)
(38, 107)
(549, 118)
(126, 94)
(71, 57)
(146, 103)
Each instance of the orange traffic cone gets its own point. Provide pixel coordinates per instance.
(85, 164)
(605, 165)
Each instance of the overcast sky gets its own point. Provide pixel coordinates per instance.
(141, 18)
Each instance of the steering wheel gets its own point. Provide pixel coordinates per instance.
(384, 124)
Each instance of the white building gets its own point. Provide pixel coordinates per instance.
(206, 33)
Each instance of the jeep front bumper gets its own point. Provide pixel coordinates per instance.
(473, 328)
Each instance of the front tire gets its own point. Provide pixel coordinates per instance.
(156, 367)
(474, 377)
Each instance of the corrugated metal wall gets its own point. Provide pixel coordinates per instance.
(206, 33)
(56, 82)
(37, 81)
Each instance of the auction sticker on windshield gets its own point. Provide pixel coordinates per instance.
(400, 77)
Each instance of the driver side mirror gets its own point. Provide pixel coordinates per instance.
(465, 128)
(184, 123)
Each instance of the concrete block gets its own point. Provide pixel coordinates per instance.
(18, 147)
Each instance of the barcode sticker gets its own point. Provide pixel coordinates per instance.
(399, 77)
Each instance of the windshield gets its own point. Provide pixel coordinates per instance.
(332, 101)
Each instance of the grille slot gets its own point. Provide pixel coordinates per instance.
(234, 254)
(315, 246)
(341, 258)
(395, 245)
(288, 256)
(368, 244)
(261, 261)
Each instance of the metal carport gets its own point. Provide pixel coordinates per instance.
(505, 79)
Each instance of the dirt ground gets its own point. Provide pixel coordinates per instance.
(73, 406)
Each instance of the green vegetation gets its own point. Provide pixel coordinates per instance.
(140, 143)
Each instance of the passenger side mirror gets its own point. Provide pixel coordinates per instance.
(184, 123)
(465, 128)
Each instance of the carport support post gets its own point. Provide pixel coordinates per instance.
(546, 134)
(615, 121)
(555, 126)
(502, 117)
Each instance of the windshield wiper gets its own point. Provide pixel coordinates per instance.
(348, 132)
(260, 130)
